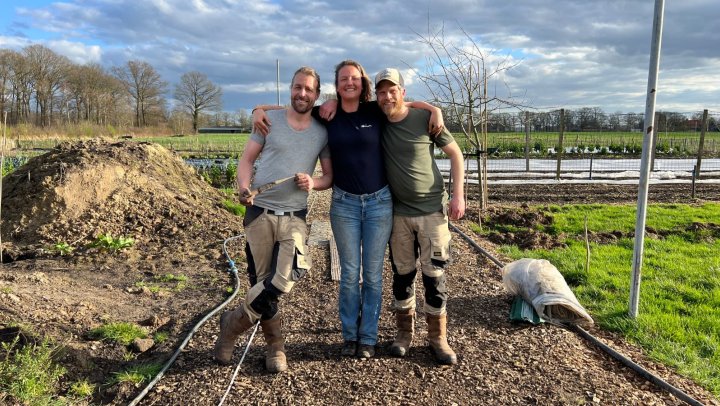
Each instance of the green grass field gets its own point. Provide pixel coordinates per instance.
(684, 143)
(679, 321)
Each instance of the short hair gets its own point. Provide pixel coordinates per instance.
(366, 92)
(306, 70)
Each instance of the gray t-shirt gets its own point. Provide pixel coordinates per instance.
(286, 152)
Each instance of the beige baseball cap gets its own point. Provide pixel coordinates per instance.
(391, 74)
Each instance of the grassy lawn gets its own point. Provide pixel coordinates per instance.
(202, 143)
(679, 313)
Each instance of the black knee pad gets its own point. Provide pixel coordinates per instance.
(266, 303)
(435, 291)
(402, 284)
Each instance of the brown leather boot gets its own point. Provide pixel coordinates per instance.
(275, 345)
(405, 325)
(232, 324)
(437, 336)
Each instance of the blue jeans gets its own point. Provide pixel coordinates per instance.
(361, 225)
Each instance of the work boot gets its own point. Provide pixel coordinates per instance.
(437, 336)
(405, 325)
(232, 324)
(275, 345)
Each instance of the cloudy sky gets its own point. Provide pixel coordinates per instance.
(565, 53)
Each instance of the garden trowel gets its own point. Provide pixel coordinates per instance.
(266, 186)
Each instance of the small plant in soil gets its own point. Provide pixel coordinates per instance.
(161, 336)
(137, 374)
(110, 243)
(234, 208)
(81, 389)
(62, 248)
(123, 333)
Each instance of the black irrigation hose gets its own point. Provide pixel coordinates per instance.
(624, 360)
(635, 367)
(476, 246)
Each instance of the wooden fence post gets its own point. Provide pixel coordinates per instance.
(559, 149)
(701, 145)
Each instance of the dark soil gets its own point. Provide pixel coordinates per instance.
(138, 190)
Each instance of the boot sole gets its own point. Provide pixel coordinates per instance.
(443, 361)
(399, 352)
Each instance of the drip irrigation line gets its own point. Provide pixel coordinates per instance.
(237, 368)
(476, 246)
(649, 376)
(635, 367)
(233, 270)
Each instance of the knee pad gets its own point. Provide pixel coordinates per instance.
(403, 285)
(266, 303)
(435, 290)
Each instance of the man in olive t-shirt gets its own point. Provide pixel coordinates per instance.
(421, 210)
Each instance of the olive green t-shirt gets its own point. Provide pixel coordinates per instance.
(415, 180)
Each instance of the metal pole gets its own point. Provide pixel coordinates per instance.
(560, 143)
(277, 80)
(692, 189)
(645, 161)
(527, 141)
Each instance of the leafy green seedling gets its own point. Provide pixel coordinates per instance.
(62, 248)
(110, 243)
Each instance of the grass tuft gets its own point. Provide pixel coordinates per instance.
(123, 333)
(29, 375)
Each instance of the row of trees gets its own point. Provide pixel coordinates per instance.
(41, 87)
(595, 119)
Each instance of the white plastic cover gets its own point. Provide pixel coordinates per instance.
(541, 284)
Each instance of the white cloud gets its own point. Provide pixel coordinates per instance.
(569, 52)
(77, 52)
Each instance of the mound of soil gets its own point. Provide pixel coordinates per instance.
(79, 191)
(142, 191)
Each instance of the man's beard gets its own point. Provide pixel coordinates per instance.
(395, 110)
(299, 107)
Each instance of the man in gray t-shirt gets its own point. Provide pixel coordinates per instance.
(275, 227)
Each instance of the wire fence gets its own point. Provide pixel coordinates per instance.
(687, 144)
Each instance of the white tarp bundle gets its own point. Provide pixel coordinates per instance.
(539, 283)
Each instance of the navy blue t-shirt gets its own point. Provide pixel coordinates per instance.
(356, 149)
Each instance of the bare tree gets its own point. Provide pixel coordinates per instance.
(22, 88)
(6, 79)
(144, 85)
(48, 71)
(196, 93)
(458, 75)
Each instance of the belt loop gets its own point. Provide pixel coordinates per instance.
(265, 211)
